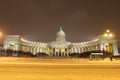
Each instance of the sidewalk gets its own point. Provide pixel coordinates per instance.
(15, 60)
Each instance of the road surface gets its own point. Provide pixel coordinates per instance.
(37, 71)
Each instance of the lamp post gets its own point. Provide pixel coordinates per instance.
(109, 35)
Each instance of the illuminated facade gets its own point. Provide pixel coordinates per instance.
(59, 47)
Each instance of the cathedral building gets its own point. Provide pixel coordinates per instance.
(60, 47)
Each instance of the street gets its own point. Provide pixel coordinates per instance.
(38, 71)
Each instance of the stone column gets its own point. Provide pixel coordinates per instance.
(75, 49)
(34, 50)
(5, 48)
(51, 53)
(67, 51)
(84, 50)
(101, 46)
(71, 51)
(15, 49)
(115, 49)
(55, 51)
(58, 52)
(31, 49)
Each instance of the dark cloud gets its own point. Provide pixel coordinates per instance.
(39, 20)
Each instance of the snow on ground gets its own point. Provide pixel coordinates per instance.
(12, 68)
(73, 61)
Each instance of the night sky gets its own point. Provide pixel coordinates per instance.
(39, 20)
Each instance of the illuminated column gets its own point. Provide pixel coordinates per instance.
(62, 52)
(37, 50)
(40, 49)
(55, 52)
(97, 47)
(5, 48)
(91, 48)
(58, 52)
(75, 50)
(52, 52)
(81, 49)
(67, 51)
(101, 46)
(30, 49)
(34, 50)
(22, 46)
(27, 49)
(84, 49)
(88, 49)
(15, 49)
(71, 50)
(115, 49)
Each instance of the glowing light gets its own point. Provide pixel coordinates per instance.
(108, 31)
(106, 35)
(110, 35)
(0, 34)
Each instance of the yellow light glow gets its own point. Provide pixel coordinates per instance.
(108, 31)
(0, 34)
(110, 35)
(106, 35)
(63, 50)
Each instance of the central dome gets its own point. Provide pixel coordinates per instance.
(61, 35)
(60, 32)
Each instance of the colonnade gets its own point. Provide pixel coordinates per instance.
(34, 47)
(85, 47)
(37, 47)
(82, 49)
(59, 51)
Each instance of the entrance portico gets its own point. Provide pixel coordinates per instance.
(60, 47)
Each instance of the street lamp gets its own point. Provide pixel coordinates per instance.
(0, 34)
(109, 35)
